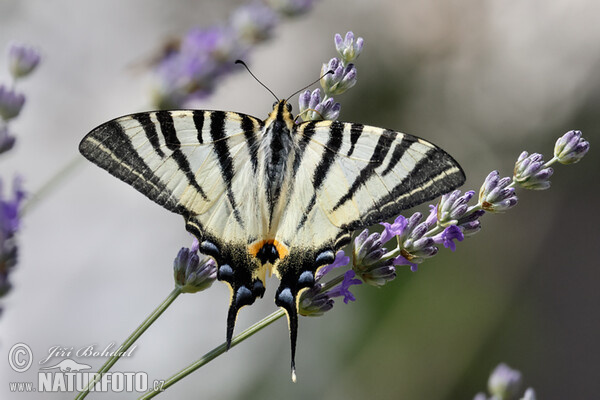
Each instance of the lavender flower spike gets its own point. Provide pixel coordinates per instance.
(347, 48)
(494, 195)
(530, 172)
(367, 260)
(11, 103)
(22, 60)
(313, 109)
(315, 302)
(342, 79)
(571, 147)
(453, 206)
(190, 274)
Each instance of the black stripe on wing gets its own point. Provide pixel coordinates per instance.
(109, 147)
(198, 118)
(379, 153)
(150, 131)
(334, 143)
(355, 132)
(165, 120)
(217, 132)
(435, 174)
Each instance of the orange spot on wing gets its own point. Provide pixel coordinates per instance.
(282, 249)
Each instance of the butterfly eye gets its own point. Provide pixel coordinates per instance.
(275, 103)
(288, 107)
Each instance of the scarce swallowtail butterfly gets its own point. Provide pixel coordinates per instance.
(270, 196)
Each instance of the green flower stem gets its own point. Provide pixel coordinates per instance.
(131, 340)
(217, 351)
(51, 184)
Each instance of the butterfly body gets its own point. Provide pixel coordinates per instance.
(270, 196)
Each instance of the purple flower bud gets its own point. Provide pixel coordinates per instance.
(191, 274)
(471, 227)
(453, 206)
(313, 109)
(329, 109)
(432, 218)
(530, 172)
(504, 382)
(7, 141)
(347, 48)
(571, 147)
(22, 60)
(367, 262)
(494, 194)
(315, 302)
(11, 103)
(342, 79)
(304, 101)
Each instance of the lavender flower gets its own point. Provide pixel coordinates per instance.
(192, 275)
(7, 141)
(191, 69)
(495, 194)
(9, 226)
(11, 103)
(318, 299)
(505, 382)
(342, 79)
(313, 109)
(315, 301)
(348, 48)
(570, 148)
(22, 60)
(337, 77)
(190, 73)
(453, 207)
(367, 261)
(343, 289)
(531, 173)
(448, 236)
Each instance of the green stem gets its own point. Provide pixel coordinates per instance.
(51, 184)
(214, 353)
(130, 340)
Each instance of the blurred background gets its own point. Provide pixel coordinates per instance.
(485, 80)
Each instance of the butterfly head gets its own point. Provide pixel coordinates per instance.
(281, 114)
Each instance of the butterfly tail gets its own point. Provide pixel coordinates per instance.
(286, 299)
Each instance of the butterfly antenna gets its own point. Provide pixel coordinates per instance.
(257, 80)
(307, 86)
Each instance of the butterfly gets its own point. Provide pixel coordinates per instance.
(270, 196)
